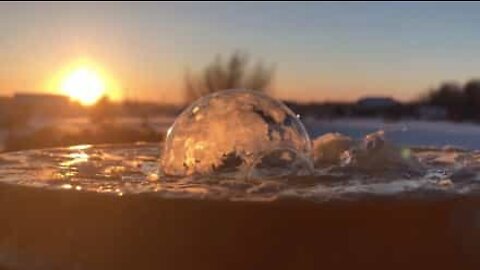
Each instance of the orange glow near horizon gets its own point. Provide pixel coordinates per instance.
(84, 85)
(85, 82)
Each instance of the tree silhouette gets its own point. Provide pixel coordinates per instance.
(472, 96)
(451, 97)
(461, 102)
(230, 74)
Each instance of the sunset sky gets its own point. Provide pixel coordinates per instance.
(322, 51)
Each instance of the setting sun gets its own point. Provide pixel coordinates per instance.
(84, 85)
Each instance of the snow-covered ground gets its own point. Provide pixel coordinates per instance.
(412, 132)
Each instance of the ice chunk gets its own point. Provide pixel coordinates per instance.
(234, 130)
(376, 155)
(328, 149)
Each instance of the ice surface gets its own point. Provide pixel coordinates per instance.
(373, 154)
(236, 131)
(329, 148)
(133, 169)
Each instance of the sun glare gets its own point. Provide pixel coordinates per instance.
(84, 85)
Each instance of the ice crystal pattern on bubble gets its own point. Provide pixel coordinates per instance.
(234, 130)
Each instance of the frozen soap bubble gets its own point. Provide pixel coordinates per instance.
(239, 131)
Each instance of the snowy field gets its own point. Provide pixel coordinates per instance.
(411, 132)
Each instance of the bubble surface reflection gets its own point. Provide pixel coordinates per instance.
(236, 131)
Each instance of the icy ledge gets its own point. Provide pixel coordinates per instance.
(344, 168)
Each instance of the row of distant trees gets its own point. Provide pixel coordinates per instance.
(462, 102)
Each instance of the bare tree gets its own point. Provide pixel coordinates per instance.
(233, 73)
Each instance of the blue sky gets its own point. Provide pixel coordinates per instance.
(322, 50)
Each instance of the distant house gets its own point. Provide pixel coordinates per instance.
(41, 104)
(40, 99)
(376, 103)
(5, 103)
(379, 107)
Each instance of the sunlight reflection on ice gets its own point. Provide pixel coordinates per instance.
(80, 147)
(114, 170)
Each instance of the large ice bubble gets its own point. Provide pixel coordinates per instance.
(239, 131)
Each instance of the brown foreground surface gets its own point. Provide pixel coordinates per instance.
(46, 229)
